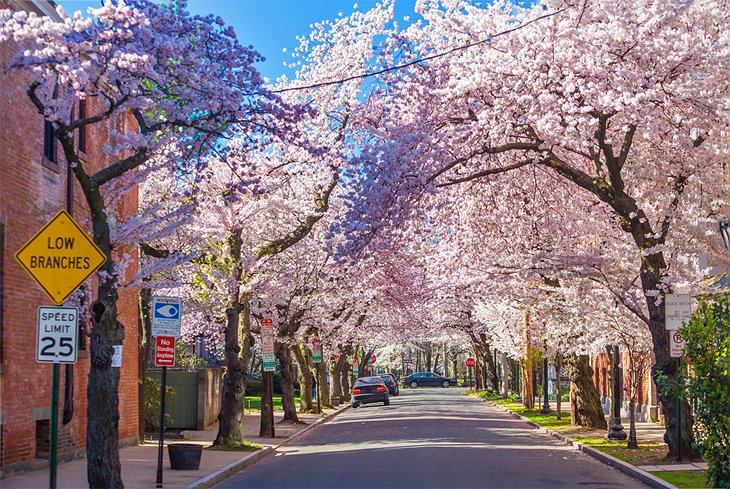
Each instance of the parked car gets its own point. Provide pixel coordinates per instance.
(391, 383)
(369, 389)
(420, 379)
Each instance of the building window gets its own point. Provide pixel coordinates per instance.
(49, 142)
(82, 129)
(604, 385)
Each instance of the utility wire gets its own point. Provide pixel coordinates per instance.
(419, 60)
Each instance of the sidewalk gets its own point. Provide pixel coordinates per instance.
(139, 463)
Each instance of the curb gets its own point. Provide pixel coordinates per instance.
(252, 458)
(605, 458)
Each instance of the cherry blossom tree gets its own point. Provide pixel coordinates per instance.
(626, 106)
(185, 81)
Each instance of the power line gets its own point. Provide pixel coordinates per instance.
(420, 60)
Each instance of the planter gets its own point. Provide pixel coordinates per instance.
(184, 456)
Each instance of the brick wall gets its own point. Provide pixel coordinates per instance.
(602, 370)
(32, 191)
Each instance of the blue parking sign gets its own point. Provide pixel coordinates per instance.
(166, 315)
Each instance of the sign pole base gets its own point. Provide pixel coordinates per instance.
(163, 396)
(53, 462)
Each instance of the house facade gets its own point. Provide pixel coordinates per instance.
(34, 186)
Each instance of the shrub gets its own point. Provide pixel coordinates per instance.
(707, 344)
(152, 389)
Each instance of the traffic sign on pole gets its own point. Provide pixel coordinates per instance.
(57, 334)
(316, 350)
(676, 344)
(164, 351)
(355, 367)
(470, 362)
(60, 257)
(267, 345)
(677, 310)
(166, 316)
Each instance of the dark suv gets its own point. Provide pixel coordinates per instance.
(391, 383)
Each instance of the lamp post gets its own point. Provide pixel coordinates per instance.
(725, 232)
(616, 432)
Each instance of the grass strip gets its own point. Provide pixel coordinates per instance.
(685, 479)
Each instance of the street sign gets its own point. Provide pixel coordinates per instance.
(164, 351)
(676, 344)
(166, 315)
(407, 360)
(57, 334)
(372, 359)
(316, 350)
(60, 257)
(267, 345)
(677, 310)
(470, 362)
(355, 367)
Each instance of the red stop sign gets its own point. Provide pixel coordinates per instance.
(372, 359)
(470, 362)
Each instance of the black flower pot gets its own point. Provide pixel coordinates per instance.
(184, 456)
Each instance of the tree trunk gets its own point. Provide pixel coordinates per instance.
(283, 353)
(589, 412)
(237, 355)
(323, 388)
(102, 451)
(558, 387)
(345, 378)
(528, 394)
(266, 419)
(143, 352)
(336, 376)
(573, 406)
(633, 443)
(665, 364)
(477, 369)
(492, 365)
(306, 379)
(506, 377)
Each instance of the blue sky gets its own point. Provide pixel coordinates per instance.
(269, 25)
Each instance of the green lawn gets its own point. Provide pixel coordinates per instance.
(646, 454)
(546, 420)
(253, 403)
(684, 479)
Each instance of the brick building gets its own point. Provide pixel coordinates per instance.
(33, 187)
(647, 400)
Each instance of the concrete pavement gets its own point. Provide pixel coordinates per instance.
(139, 463)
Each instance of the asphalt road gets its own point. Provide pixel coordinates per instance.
(428, 438)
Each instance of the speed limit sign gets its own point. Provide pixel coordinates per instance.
(57, 334)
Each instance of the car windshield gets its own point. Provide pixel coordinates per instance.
(387, 378)
(369, 381)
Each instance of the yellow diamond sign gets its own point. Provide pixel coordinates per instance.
(60, 257)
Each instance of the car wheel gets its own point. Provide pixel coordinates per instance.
(414, 384)
(386, 402)
(355, 404)
(445, 383)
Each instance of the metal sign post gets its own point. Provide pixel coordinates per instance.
(163, 396)
(56, 343)
(267, 377)
(166, 318)
(317, 359)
